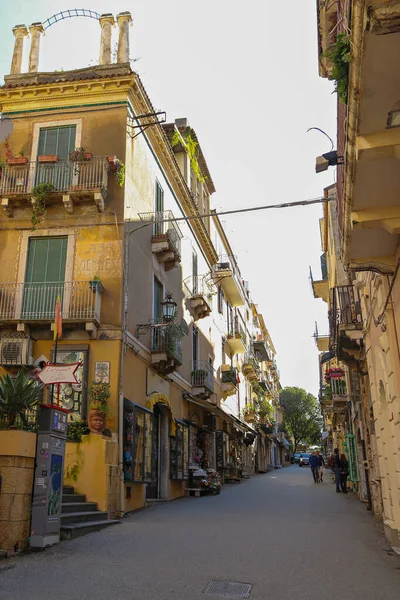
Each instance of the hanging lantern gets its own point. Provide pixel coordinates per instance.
(168, 308)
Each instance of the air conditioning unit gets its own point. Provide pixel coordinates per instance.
(223, 266)
(15, 351)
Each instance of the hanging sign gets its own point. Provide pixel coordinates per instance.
(51, 374)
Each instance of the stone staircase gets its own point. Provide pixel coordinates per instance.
(79, 517)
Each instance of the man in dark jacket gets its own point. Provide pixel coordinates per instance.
(321, 465)
(314, 467)
(337, 468)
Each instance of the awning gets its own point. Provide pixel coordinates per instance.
(158, 398)
(327, 356)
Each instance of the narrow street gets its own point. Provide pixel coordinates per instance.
(280, 532)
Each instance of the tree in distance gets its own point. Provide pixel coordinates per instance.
(302, 416)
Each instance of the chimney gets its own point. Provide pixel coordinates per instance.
(123, 20)
(20, 31)
(36, 30)
(106, 23)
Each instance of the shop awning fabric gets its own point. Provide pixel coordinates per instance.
(158, 398)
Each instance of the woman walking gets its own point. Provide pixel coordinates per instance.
(344, 473)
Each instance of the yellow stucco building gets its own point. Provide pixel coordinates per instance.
(365, 214)
(106, 205)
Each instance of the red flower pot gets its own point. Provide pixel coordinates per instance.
(14, 162)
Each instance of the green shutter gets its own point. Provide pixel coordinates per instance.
(45, 276)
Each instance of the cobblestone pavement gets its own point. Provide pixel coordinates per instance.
(280, 532)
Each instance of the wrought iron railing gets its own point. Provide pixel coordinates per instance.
(345, 309)
(199, 285)
(80, 301)
(237, 331)
(230, 376)
(16, 417)
(250, 359)
(203, 374)
(64, 176)
(227, 262)
(165, 226)
(167, 339)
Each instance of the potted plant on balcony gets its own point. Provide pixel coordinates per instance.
(249, 413)
(96, 285)
(101, 394)
(17, 160)
(79, 155)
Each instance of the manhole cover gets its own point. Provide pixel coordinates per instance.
(228, 589)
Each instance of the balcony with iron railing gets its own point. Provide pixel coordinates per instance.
(345, 317)
(237, 338)
(199, 291)
(320, 287)
(202, 379)
(226, 274)
(261, 347)
(251, 367)
(229, 380)
(35, 302)
(166, 238)
(166, 346)
(73, 181)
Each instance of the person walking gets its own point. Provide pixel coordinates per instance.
(321, 466)
(314, 466)
(337, 468)
(344, 472)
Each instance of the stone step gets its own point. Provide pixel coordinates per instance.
(74, 530)
(83, 517)
(73, 498)
(68, 489)
(71, 507)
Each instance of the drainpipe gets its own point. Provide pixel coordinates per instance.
(365, 459)
(123, 20)
(20, 31)
(36, 30)
(107, 22)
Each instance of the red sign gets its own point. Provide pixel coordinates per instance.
(51, 374)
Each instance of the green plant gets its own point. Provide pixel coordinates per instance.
(96, 278)
(17, 396)
(191, 145)
(101, 394)
(265, 410)
(77, 154)
(339, 54)
(120, 173)
(39, 193)
(249, 409)
(76, 429)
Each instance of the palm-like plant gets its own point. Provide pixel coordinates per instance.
(17, 395)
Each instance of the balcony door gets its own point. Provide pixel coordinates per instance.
(159, 210)
(44, 277)
(59, 141)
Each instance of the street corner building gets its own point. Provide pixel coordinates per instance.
(107, 207)
(359, 359)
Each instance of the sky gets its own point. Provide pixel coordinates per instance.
(245, 74)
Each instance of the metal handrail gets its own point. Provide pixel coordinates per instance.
(36, 301)
(65, 176)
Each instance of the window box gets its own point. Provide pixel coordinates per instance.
(49, 158)
(15, 162)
